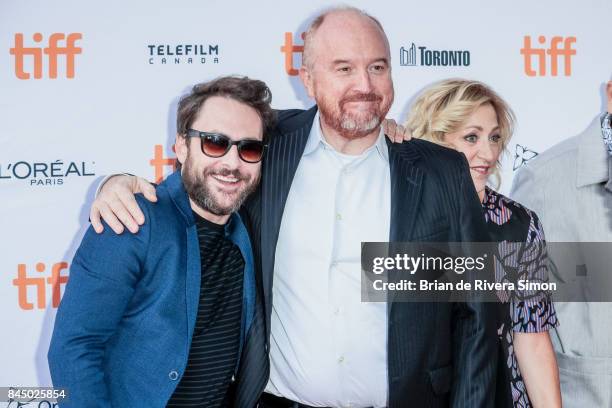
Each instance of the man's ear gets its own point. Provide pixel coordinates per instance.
(181, 149)
(609, 95)
(306, 77)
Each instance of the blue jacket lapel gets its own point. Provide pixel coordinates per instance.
(179, 196)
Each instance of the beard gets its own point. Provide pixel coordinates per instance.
(210, 199)
(353, 125)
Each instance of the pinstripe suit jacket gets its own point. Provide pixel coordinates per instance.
(439, 354)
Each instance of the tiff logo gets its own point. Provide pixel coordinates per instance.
(52, 51)
(159, 162)
(55, 281)
(289, 50)
(554, 52)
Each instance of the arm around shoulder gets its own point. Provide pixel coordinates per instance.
(116, 205)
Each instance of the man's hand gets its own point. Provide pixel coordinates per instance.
(117, 205)
(396, 133)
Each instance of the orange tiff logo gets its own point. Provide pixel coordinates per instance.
(554, 52)
(40, 283)
(53, 50)
(289, 49)
(159, 162)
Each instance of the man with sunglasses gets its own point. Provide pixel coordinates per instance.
(330, 181)
(160, 318)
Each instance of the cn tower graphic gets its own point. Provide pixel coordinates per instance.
(408, 56)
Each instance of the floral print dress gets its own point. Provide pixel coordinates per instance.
(521, 256)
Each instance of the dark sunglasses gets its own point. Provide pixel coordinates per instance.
(217, 145)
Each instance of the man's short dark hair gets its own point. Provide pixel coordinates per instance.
(251, 92)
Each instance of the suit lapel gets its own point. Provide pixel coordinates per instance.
(592, 158)
(284, 154)
(193, 279)
(406, 186)
(193, 275)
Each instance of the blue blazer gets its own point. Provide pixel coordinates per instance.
(123, 329)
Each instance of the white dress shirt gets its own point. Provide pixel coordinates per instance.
(328, 348)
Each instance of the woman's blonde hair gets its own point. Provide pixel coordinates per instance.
(443, 107)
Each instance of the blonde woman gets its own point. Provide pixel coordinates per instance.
(470, 117)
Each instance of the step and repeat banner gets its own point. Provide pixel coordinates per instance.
(91, 88)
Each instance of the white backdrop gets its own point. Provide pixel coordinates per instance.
(121, 103)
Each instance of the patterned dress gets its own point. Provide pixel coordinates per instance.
(521, 256)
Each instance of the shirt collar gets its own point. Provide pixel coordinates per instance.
(316, 140)
(606, 131)
(228, 228)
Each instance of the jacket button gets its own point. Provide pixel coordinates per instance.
(173, 375)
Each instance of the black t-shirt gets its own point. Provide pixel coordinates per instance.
(216, 337)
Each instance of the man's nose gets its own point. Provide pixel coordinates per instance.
(232, 159)
(363, 82)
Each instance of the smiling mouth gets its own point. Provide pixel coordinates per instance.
(361, 103)
(483, 170)
(229, 181)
